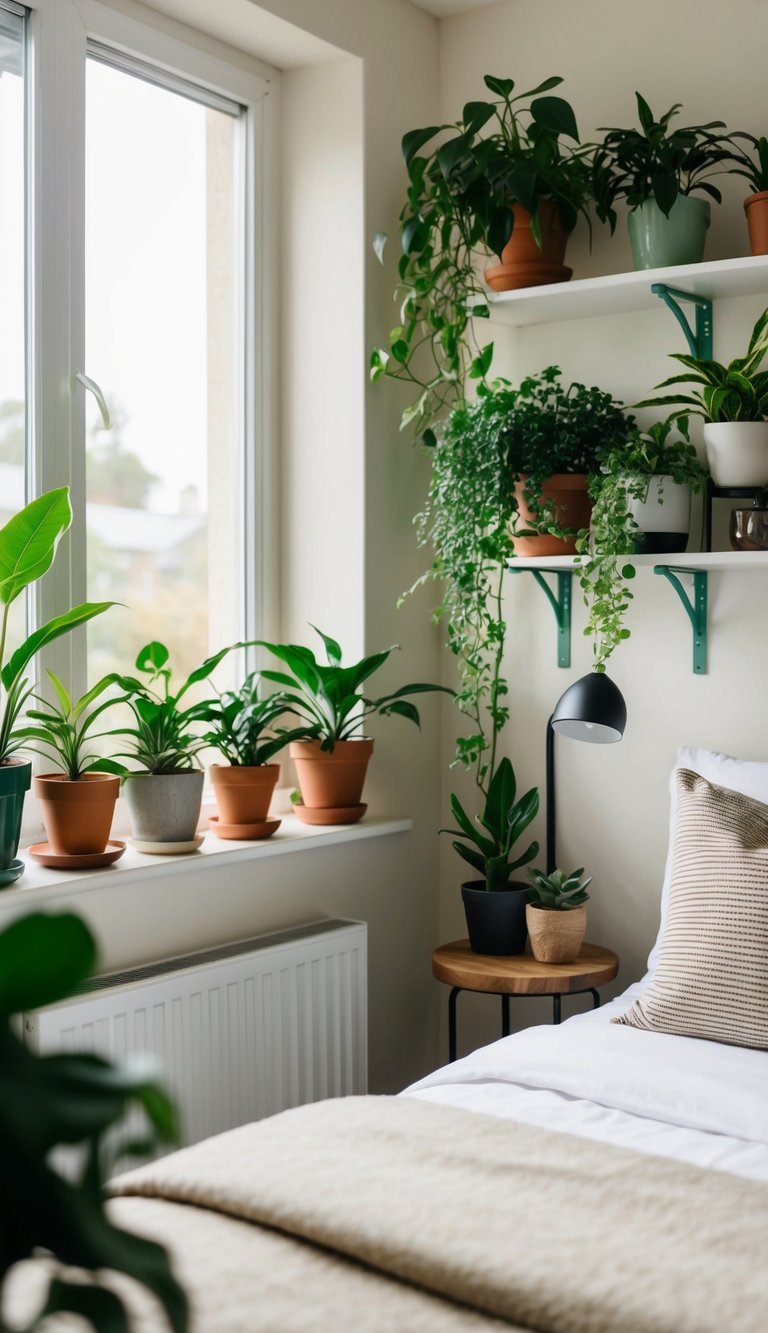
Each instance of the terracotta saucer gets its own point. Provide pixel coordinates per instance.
(167, 848)
(244, 832)
(11, 873)
(342, 814)
(45, 855)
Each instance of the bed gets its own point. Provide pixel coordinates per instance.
(595, 1177)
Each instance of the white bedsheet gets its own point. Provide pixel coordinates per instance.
(698, 1101)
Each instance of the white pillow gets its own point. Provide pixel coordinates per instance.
(750, 777)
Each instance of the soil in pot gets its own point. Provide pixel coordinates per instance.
(556, 936)
(331, 779)
(164, 807)
(658, 241)
(77, 813)
(15, 779)
(572, 509)
(495, 920)
(244, 793)
(522, 263)
(756, 209)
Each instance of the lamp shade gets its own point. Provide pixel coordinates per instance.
(592, 709)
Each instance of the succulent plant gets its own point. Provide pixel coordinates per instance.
(558, 891)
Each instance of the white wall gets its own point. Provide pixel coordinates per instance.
(613, 799)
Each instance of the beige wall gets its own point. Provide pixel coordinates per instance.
(613, 799)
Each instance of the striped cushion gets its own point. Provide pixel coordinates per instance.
(712, 975)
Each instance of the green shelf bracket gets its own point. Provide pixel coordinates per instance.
(699, 338)
(561, 605)
(696, 610)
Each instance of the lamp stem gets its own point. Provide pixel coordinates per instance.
(550, 803)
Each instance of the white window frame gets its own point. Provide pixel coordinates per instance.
(59, 31)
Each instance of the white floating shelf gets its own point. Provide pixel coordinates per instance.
(712, 560)
(618, 293)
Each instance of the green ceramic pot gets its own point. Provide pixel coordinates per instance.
(15, 778)
(659, 242)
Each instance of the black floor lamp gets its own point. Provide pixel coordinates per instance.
(592, 710)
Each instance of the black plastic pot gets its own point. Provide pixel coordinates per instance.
(495, 920)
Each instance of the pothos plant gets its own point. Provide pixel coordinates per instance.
(628, 473)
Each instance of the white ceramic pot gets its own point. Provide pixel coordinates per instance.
(737, 452)
(664, 517)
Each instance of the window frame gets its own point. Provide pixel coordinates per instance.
(59, 33)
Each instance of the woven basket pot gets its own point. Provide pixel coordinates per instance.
(556, 937)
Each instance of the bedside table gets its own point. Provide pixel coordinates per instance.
(456, 966)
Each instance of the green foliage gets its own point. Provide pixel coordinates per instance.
(239, 723)
(164, 739)
(458, 201)
(70, 1099)
(736, 392)
(488, 839)
(558, 892)
(28, 545)
(328, 696)
(753, 169)
(657, 162)
(62, 729)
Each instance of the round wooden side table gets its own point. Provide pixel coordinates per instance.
(457, 966)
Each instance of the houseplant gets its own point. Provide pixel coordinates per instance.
(755, 170)
(28, 545)
(555, 914)
(241, 727)
(495, 904)
(79, 802)
(332, 760)
(70, 1099)
(733, 400)
(656, 169)
(165, 796)
(502, 177)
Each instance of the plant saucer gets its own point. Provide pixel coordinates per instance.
(167, 848)
(11, 873)
(243, 832)
(341, 814)
(43, 853)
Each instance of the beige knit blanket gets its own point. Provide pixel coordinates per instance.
(411, 1216)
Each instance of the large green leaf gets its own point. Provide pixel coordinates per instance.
(42, 959)
(416, 139)
(556, 115)
(28, 541)
(79, 615)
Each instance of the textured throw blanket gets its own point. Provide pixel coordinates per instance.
(408, 1216)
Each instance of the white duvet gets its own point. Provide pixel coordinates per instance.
(698, 1101)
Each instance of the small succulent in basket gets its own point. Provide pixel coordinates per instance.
(558, 891)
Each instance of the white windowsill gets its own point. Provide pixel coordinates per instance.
(39, 885)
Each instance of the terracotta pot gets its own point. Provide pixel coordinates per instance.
(243, 793)
(556, 937)
(523, 264)
(573, 509)
(756, 209)
(331, 779)
(77, 813)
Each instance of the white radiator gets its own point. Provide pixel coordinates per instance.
(241, 1031)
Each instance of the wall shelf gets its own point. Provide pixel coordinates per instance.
(710, 560)
(623, 293)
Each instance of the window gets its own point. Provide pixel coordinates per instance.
(145, 318)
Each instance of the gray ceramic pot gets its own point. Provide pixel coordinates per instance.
(164, 807)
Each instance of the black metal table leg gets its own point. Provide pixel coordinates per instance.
(452, 1024)
(595, 997)
(505, 1015)
(555, 1008)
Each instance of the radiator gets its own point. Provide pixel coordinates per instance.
(241, 1031)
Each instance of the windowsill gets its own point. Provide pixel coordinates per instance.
(38, 884)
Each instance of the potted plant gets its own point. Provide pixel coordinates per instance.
(28, 545)
(165, 796)
(239, 724)
(656, 169)
(733, 400)
(79, 802)
(332, 760)
(503, 182)
(494, 905)
(755, 170)
(555, 914)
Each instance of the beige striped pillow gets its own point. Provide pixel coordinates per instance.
(712, 975)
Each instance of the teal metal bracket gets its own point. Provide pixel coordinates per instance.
(699, 338)
(561, 605)
(696, 610)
